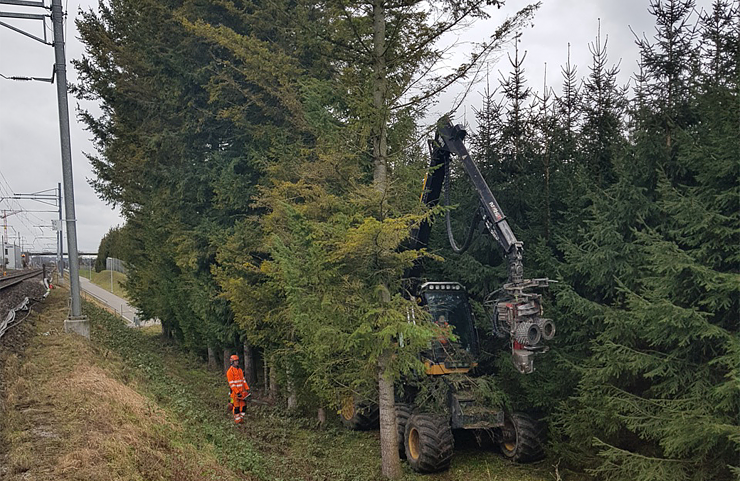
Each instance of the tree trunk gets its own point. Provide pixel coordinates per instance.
(391, 463)
(321, 417)
(166, 330)
(292, 395)
(266, 374)
(250, 373)
(292, 400)
(380, 120)
(273, 380)
(227, 362)
(212, 363)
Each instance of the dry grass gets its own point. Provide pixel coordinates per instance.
(67, 417)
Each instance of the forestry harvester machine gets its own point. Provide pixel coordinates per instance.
(426, 435)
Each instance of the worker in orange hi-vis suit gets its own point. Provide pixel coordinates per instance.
(239, 389)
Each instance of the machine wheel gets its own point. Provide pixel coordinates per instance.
(523, 438)
(429, 443)
(403, 413)
(359, 416)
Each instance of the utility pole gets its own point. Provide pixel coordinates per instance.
(76, 322)
(52, 199)
(5, 236)
(60, 247)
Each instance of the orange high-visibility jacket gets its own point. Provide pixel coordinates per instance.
(237, 383)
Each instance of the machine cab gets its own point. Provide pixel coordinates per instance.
(447, 304)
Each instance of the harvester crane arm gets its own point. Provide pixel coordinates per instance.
(449, 140)
(516, 311)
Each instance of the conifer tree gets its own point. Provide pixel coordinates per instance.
(669, 62)
(172, 152)
(658, 394)
(568, 183)
(546, 130)
(382, 51)
(604, 106)
(568, 107)
(517, 128)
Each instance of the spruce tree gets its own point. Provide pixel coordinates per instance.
(381, 53)
(668, 62)
(604, 104)
(658, 396)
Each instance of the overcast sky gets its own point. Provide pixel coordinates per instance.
(30, 158)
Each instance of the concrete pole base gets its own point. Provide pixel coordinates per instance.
(79, 326)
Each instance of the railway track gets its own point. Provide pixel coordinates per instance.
(18, 277)
(19, 300)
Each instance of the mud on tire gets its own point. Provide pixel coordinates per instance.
(523, 438)
(429, 443)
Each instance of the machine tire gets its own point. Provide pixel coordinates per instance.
(523, 438)
(428, 442)
(359, 416)
(403, 413)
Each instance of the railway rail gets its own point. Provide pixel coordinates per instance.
(18, 277)
(10, 318)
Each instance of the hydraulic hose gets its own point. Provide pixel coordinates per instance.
(448, 223)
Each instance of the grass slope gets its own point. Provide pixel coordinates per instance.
(103, 279)
(126, 406)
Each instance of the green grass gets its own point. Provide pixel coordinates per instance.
(103, 279)
(128, 405)
(271, 445)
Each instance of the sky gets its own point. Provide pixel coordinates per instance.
(30, 155)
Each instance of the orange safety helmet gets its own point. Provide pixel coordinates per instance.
(234, 358)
